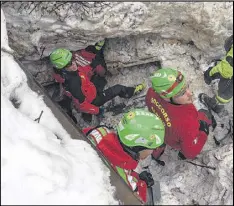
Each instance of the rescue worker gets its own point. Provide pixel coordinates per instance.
(223, 70)
(138, 133)
(82, 77)
(170, 99)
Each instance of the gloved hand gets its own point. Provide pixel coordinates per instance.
(181, 156)
(147, 177)
(207, 77)
(101, 112)
(204, 127)
(210, 117)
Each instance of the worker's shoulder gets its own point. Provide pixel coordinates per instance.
(186, 116)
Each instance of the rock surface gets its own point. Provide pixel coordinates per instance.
(137, 32)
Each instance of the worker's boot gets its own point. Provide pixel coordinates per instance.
(212, 103)
(139, 88)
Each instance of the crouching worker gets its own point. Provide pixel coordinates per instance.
(170, 99)
(138, 134)
(223, 70)
(81, 75)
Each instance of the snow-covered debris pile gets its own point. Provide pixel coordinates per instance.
(221, 189)
(36, 167)
(183, 183)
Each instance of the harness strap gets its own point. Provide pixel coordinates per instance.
(179, 79)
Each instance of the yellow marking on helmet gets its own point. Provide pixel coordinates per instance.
(171, 78)
(152, 136)
(131, 115)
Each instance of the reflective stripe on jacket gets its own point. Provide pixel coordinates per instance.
(88, 89)
(107, 143)
(224, 67)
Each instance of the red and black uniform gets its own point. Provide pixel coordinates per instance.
(85, 87)
(107, 142)
(182, 124)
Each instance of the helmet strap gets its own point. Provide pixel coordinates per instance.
(179, 79)
(172, 101)
(134, 155)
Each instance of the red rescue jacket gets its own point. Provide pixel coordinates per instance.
(181, 124)
(88, 90)
(108, 144)
(83, 59)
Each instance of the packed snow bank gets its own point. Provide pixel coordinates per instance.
(134, 29)
(36, 167)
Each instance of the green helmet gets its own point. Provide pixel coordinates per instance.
(140, 127)
(167, 82)
(60, 58)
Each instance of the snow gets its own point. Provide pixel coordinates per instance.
(181, 182)
(36, 166)
(206, 24)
